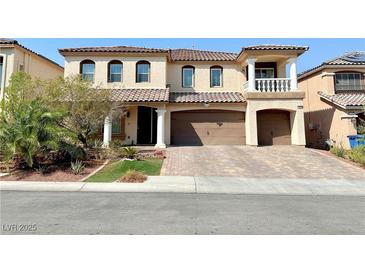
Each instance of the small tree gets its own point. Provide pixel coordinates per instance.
(86, 106)
(27, 126)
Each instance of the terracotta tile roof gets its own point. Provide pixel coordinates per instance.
(356, 58)
(275, 47)
(140, 95)
(207, 97)
(201, 55)
(123, 49)
(6, 41)
(348, 99)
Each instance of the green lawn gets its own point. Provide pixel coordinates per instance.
(114, 171)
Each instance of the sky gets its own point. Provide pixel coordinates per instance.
(319, 51)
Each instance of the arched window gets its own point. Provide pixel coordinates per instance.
(143, 71)
(188, 73)
(115, 71)
(87, 70)
(348, 80)
(216, 76)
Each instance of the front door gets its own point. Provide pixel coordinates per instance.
(147, 126)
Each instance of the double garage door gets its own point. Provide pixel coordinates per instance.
(208, 127)
(215, 127)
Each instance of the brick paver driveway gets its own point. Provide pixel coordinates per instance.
(256, 162)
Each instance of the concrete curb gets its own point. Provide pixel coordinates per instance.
(206, 185)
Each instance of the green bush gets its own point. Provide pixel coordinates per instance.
(357, 154)
(77, 167)
(130, 152)
(338, 151)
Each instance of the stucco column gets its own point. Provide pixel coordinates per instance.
(297, 127)
(160, 128)
(293, 73)
(107, 130)
(251, 126)
(251, 74)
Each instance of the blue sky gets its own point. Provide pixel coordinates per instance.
(319, 49)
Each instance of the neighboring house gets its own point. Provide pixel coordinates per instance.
(335, 98)
(15, 57)
(196, 97)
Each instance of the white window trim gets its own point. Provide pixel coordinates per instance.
(220, 78)
(192, 80)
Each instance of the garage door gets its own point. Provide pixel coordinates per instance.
(273, 127)
(208, 127)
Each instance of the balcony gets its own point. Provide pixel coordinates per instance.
(270, 85)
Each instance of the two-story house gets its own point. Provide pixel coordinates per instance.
(14, 57)
(196, 97)
(335, 99)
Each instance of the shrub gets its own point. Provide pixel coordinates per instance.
(96, 150)
(338, 151)
(77, 167)
(357, 154)
(133, 176)
(130, 152)
(42, 169)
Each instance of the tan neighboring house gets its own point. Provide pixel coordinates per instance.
(335, 97)
(197, 97)
(14, 57)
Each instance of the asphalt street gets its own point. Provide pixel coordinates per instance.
(176, 213)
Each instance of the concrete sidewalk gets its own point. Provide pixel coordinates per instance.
(217, 185)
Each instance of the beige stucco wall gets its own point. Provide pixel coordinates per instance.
(131, 126)
(295, 106)
(233, 76)
(37, 67)
(158, 70)
(323, 120)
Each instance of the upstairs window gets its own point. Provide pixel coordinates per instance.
(1, 69)
(264, 73)
(187, 76)
(115, 71)
(143, 72)
(87, 70)
(348, 81)
(216, 76)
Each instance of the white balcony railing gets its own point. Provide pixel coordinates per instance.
(271, 85)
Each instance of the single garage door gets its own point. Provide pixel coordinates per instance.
(273, 127)
(208, 127)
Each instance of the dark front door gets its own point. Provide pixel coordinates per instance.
(147, 126)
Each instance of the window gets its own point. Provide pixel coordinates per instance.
(115, 71)
(187, 76)
(87, 70)
(264, 73)
(216, 76)
(348, 81)
(116, 126)
(143, 72)
(1, 69)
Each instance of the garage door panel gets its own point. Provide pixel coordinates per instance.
(207, 127)
(273, 127)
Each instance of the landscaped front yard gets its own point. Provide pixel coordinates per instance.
(114, 171)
